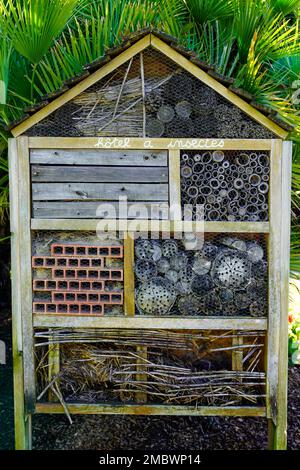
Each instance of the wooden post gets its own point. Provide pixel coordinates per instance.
(280, 432)
(129, 301)
(141, 397)
(278, 295)
(26, 273)
(54, 366)
(22, 423)
(237, 354)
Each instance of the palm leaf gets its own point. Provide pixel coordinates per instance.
(34, 24)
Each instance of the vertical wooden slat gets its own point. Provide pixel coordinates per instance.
(54, 366)
(274, 251)
(237, 354)
(129, 302)
(280, 435)
(174, 185)
(26, 273)
(141, 397)
(22, 434)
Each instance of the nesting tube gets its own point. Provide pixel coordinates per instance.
(213, 215)
(238, 183)
(186, 171)
(218, 156)
(192, 191)
(206, 157)
(263, 188)
(242, 159)
(264, 160)
(198, 168)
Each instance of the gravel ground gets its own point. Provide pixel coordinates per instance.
(143, 433)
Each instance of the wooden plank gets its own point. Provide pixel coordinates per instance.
(22, 434)
(92, 209)
(82, 86)
(103, 174)
(237, 355)
(99, 191)
(174, 185)
(54, 367)
(145, 225)
(139, 143)
(142, 322)
(141, 397)
(98, 157)
(26, 273)
(164, 48)
(274, 254)
(175, 410)
(280, 435)
(129, 302)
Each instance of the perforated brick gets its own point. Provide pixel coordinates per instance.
(68, 262)
(86, 250)
(78, 273)
(78, 279)
(66, 285)
(107, 298)
(68, 308)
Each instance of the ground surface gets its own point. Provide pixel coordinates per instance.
(130, 433)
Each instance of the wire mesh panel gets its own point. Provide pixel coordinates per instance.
(152, 96)
(107, 366)
(75, 274)
(230, 185)
(225, 275)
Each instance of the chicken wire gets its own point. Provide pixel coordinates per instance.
(150, 96)
(227, 185)
(227, 276)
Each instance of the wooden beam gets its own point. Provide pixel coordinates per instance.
(142, 322)
(280, 434)
(82, 86)
(54, 366)
(141, 397)
(129, 301)
(274, 255)
(237, 354)
(22, 424)
(175, 56)
(174, 410)
(26, 272)
(174, 185)
(139, 143)
(145, 225)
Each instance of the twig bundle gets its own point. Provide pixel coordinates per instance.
(180, 368)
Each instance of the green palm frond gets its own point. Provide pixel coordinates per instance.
(295, 252)
(33, 24)
(218, 47)
(86, 40)
(285, 6)
(203, 11)
(5, 56)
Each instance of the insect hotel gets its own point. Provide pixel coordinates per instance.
(113, 311)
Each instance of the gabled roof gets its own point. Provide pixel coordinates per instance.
(168, 46)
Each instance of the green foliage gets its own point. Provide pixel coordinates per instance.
(3, 178)
(33, 24)
(204, 11)
(294, 322)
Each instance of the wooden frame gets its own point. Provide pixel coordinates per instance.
(23, 322)
(276, 230)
